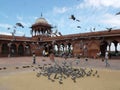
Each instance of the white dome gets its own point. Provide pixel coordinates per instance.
(41, 20)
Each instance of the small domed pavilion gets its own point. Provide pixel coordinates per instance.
(41, 28)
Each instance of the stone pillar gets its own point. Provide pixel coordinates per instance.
(58, 46)
(116, 43)
(109, 45)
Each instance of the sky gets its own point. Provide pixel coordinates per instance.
(94, 15)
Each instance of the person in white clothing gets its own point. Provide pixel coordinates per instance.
(106, 59)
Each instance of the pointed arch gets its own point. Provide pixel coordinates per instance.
(5, 49)
(20, 50)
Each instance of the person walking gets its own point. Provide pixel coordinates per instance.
(52, 58)
(34, 58)
(106, 59)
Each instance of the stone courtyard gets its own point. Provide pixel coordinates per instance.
(13, 62)
(19, 73)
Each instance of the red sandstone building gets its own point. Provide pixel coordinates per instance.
(84, 44)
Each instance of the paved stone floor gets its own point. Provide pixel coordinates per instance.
(16, 73)
(16, 64)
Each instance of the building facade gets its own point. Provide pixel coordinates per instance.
(89, 44)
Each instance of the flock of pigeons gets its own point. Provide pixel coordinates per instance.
(56, 33)
(14, 28)
(75, 19)
(64, 71)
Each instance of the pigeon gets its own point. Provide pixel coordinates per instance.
(60, 33)
(78, 26)
(118, 13)
(20, 25)
(55, 33)
(8, 28)
(74, 18)
(109, 29)
(77, 20)
(94, 29)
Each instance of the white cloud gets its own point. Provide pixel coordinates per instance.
(20, 18)
(5, 33)
(100, 3)
(34, 17)
(112, 3)
(3, 15)
(5, 25)
(20, 33)
(111, 20)
(60, 10)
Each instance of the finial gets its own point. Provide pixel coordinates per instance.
(41, 15)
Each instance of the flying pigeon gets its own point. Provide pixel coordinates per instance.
(77, 20)
(60, 33)
(20, 25)
(74, 18)
(118, 13)
(8, 28)
(94, 28)
(54, 33)
(78, 26)
(109, 29)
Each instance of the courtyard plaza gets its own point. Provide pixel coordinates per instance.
(19, 73)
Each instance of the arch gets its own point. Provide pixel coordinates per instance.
(27, 50)
(69, 51)
(61, 49)
(56, 48)
(118, 48)
(47, 48)
(115, 44)
(13, 49)
(103, 47)
(62, 46)
(69, 48)
(5, 49)
(20, 50)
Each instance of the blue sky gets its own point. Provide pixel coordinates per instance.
(98, 14)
